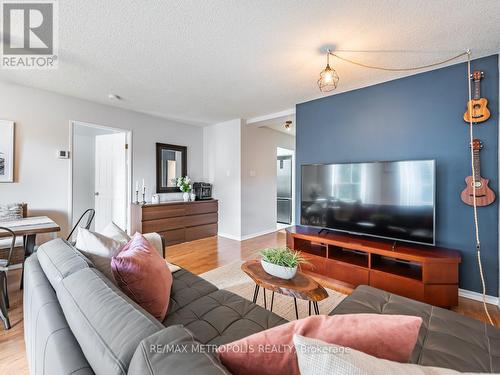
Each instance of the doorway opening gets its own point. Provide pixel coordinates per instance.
(285, 191)
(100, 174)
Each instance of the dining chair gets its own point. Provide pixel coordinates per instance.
(90, 213)
(4, 267)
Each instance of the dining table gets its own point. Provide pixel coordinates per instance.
(28, 228)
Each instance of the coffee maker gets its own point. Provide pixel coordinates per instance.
(203, 190)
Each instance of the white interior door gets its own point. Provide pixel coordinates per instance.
(110, 180)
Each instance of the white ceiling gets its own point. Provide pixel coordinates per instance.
(207, 61)
(276, 122)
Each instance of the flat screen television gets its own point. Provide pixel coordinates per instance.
(393, 200)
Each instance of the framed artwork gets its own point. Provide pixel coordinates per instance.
(6, 151)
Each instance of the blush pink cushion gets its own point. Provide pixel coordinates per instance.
(141, 274)
(271, 352)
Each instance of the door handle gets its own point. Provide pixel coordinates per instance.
(96, 193)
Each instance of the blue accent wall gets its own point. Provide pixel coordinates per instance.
(416, 117)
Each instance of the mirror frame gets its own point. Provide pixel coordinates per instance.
(159, 148)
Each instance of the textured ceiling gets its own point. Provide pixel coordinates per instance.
(206, 61)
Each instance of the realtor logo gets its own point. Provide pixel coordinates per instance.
(29, 34)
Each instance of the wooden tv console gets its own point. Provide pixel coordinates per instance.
(423, 273)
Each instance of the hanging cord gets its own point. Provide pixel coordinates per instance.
(471, 134)
(399, 69)
(476, 221)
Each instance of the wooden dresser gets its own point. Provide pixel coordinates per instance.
(177, 221)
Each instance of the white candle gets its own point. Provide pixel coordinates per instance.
(143, 187)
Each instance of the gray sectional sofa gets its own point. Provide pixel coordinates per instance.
(76, 321)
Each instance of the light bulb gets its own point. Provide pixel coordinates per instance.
(328, 77)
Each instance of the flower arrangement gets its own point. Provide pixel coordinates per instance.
(184, 184)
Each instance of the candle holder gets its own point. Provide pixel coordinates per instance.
(144, 196)
(136, 197)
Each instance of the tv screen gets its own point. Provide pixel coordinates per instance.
(392, 200)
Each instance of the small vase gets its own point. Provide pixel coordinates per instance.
(185, 196)
(193, 197)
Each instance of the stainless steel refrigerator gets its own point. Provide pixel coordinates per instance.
(284, 189)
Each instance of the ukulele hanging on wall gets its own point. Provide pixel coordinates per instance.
(484, 195)
(477, 108)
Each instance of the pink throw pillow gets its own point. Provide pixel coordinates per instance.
(271, 352)
(141, 274)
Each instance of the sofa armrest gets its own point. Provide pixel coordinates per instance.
(174, 351)
(158, 241)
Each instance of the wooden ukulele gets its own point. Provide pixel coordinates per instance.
(484, 195)
(477, 108)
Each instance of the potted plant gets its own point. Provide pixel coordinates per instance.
(281, 262)
(184, 184)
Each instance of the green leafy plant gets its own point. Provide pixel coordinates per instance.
(184, 184)
(283, 256)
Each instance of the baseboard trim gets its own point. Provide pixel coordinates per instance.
(248, 236)
(258, 234)
(478, 297)
(230, 236)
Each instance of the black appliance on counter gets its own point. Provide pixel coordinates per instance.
(203, 190)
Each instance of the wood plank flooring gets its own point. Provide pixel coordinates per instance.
(204, 255)
(198, 257)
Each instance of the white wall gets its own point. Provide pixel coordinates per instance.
(258, 181)
(83, 174)
(240, 161)
(222, 167)
(42, 127)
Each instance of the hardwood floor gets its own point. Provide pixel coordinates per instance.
(198, 257)
(204, 255)
(12, 352)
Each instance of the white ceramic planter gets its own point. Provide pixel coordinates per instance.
(185, 196)
(286, 273)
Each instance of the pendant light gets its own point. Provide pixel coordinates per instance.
(328, 78)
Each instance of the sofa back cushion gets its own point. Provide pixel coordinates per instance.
(107, 324)
(51, 347)
(59, 259)
(174, 351)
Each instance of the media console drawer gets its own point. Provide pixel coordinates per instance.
(177, 221)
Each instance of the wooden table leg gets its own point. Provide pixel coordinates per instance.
(296, 310)
(29, 248)
(255, 293)
(309, 308)
(272, 301)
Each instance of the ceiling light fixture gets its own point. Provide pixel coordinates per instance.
(114, 97)
(288, 125)
(328, 78)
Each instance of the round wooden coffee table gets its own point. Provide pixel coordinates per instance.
(301, 286)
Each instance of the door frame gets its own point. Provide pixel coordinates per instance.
(128, 140)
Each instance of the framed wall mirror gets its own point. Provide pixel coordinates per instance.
(171, 163)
